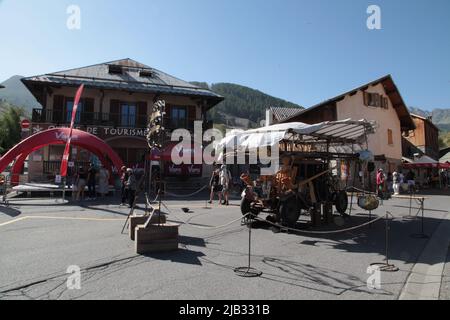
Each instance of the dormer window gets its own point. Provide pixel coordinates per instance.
(115, 69)
(145, 74)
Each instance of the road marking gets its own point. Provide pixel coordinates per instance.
(58, 218)
(75, 218)
(12, 221)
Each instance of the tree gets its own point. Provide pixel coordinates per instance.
(10, 130)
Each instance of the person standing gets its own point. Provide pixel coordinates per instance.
(390, 183)
(225, 180)
(411, 178)
(123, 181)
(81, 183)
(92, 181)
(396, 182)
(215, 186)
(380, 182)
(103, 181)
(131, 187)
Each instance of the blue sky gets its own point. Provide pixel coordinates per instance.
(302, 51)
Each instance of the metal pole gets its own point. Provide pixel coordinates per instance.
(64, 189)
(387, 239)
(423, 216)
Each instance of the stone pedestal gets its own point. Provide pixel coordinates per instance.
(156, 238)
(135, 221)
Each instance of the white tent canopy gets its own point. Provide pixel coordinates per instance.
(343, 132)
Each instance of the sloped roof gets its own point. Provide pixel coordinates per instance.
(425, 120)
(282, 113)
(98, 76)
(392, 91)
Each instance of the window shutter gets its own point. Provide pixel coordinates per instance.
(87, 113)
(88, 105)
(114, 112)
(142, 114)
(390, 137)
(192, 113)
(58, 109)
(377, 100)
(366, 98)
(58, 103)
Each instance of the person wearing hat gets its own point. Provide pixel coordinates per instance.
(380, 182)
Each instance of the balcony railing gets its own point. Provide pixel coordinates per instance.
(108, 120)
(90, 118)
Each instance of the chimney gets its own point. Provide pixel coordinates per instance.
(269, 117)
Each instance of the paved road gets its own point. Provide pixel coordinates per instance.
(41, 238)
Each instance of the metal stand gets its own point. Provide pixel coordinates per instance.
(422, 234)
(64, 189)
(386, 266)
(206, 207)
(248, 272)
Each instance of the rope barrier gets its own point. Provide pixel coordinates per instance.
(187, 195)
(359, 190)
(202, 227)
(321, 232)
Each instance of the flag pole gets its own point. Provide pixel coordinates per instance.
(66, 155)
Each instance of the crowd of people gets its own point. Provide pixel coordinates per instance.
(89, 178)
(397, 182)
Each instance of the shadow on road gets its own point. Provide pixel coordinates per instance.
(182, 256)
(10, 212)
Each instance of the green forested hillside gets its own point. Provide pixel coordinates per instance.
(242, 102)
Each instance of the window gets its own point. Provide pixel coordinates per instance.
(145, 74)
(115, 69)
(390, 137)
(69, 108)
(375, 100)
(178, 117)
(128, 115)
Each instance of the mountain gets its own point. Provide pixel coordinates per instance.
(243, 106)
(17, 94)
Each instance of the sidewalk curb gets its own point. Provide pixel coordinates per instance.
(424, 281)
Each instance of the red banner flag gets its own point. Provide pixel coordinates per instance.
(66, 155)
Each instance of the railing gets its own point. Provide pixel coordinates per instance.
(107, 120)
(90, 118)
(53, 167)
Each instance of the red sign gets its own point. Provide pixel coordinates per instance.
(25, 124)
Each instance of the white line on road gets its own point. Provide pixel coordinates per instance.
(58, 218)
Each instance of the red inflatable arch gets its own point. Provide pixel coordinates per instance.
(80, 138)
